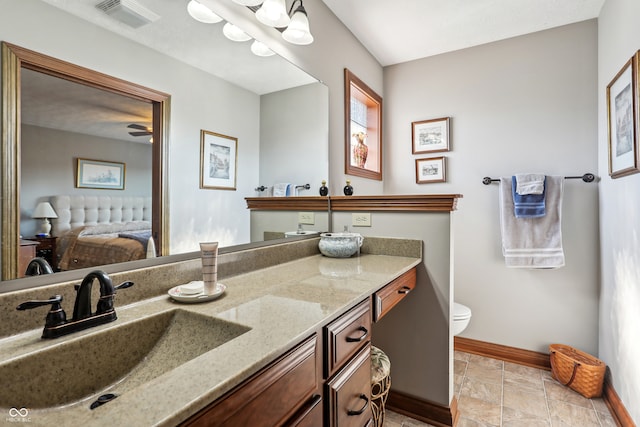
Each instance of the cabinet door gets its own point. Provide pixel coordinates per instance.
(346, 335)
(386, 298)
(349, 392)
(269, 398)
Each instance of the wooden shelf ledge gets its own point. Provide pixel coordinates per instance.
(390, 203)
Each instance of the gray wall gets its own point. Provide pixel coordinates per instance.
(294, 130)
(49, 167)
(618, 36)
(416, 333)
(527, 104)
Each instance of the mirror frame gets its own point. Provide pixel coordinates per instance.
(354, 86)
(14, 58)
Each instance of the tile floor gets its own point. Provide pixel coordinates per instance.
(491, 392)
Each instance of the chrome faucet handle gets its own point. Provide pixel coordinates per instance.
(56, 315)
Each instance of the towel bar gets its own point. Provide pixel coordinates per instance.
(587, 177)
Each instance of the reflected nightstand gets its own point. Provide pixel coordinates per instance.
(47, 249)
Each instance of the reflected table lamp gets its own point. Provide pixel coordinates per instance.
(44, 211)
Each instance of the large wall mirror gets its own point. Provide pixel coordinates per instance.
(275, 120)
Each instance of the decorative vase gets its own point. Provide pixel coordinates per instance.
(323, 189)
(348, 189)
(360, 150)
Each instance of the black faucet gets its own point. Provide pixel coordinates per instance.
(56, 323)
(38, 266)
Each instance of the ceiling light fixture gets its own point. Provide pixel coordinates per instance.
(202, 13)
(298, 30)
(273, 13)
(260, 49)
(234, 33)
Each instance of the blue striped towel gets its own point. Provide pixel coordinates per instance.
(528, 205)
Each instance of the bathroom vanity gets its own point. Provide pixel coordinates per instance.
(294, 346)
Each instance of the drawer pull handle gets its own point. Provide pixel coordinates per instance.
(360, 338)
(404, 290)
(361, 410)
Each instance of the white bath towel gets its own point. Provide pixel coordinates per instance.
(529, 183)
(532, 242)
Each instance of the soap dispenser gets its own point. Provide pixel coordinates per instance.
(324, 190)
(348, 189)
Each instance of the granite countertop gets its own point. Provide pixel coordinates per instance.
(282, 305)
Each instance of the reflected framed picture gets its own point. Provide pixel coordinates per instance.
(430, 136)
(622, 118)
(99, 174)
(218, 161)
(431, 170)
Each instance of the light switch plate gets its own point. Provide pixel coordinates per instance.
(306, 218)
(361, 219)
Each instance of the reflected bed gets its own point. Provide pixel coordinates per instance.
(99, 230)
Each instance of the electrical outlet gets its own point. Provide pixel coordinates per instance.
(361, 219)
(306, 218)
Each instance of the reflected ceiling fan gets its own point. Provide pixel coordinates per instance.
(142, 130)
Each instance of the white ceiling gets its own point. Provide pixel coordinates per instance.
(404, 30)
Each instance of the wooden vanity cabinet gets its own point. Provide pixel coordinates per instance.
(316, 383)
(348, 368)
(386, 298)
(283, 394)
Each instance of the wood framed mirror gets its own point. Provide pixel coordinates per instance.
(14, 60)
(363, 129)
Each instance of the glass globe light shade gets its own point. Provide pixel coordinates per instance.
(202, 13)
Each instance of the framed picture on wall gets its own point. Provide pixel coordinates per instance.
(622, 105)
(99, 174)
(431, 170)
(218, 161)
(430, 136)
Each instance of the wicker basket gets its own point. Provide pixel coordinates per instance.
(576, 369)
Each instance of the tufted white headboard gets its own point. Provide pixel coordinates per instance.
(78, 211)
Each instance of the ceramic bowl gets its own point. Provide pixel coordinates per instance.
(340, 245)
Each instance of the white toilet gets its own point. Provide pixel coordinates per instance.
(461, 317)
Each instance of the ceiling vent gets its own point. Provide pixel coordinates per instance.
(128, 12)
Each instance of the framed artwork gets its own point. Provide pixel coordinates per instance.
(622, 118)
(430, 136)
(218, 161)
(430, 170)
(99, 174)
(363, 129)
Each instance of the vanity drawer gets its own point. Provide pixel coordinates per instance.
(346, 335)
(349, 393)
(386, 298)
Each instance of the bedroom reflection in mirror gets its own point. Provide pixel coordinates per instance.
(363, 129)
(99, 230)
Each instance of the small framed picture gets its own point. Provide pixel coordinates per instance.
(622, 121)
(99, 174)
(430, 136)
(218, 161)
(431, 170)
